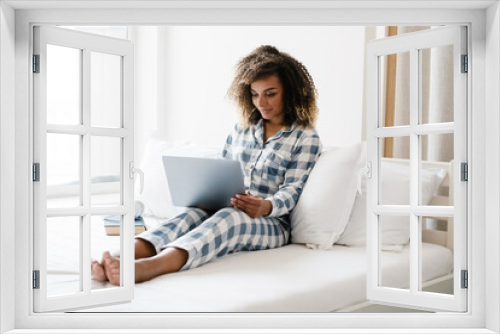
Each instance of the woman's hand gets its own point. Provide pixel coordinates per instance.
(254, 206)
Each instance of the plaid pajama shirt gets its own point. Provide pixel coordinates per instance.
(275, 170)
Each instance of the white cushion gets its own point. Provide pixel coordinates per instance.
(156, 195)
(395, 191)
(323, 209)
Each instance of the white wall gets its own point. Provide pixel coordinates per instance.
(492, 186)
(196, 67)
(181, 76)
(7, 168)
(145, 84)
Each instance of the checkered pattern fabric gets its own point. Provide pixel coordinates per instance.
(206, 236)
(275, 170)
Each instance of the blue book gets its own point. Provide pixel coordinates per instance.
(112, 225)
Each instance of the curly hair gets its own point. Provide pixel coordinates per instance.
(300, 94)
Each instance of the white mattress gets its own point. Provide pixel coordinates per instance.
(288, 279)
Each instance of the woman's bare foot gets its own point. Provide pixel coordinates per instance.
(111, 268)
(168, 261)
(97, 271)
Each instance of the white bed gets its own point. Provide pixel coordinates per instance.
(289, 279)
(294, 278)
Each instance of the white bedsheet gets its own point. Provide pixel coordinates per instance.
(289, 279)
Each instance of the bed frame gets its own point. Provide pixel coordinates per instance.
(444, 197)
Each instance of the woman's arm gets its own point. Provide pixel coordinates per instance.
(304, 157)
(227, 150)
(282, 202)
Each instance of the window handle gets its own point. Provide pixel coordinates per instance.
(138, 171)
(368, 171)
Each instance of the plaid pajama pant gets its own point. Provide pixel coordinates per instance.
(206, 236)
(275, 170)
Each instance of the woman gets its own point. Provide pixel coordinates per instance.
(277, 147)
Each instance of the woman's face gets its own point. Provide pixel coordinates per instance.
(267, 97)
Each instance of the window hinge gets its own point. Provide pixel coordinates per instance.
(36, 279)
(36, 63)
(465, 64)
(464, 171)
(36, 172)
(465, 279)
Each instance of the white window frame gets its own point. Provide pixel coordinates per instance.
(483, 125)
(86, 43)
(376, 131)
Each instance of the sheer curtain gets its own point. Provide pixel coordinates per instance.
(436, 99)
(402, 99)
(436, 104)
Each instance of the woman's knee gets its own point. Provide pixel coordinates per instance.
(229, 214)
(230, 217)
(194, 213)
(190, 216)
(228, 211)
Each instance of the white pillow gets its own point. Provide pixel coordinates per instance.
(395, 191)
(156, 194)
(325, 204)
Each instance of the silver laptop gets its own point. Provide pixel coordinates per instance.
(204, 183)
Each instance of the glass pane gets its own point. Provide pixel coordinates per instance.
(395, 173)
(395, 90)
(64, 85)
(63, 170)
(105, 171)
(105, 236)
(437, 153)
(436, 84)
(394, 251)
(63, 255)
(105, 90)
(437, 259)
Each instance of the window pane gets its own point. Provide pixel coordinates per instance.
(436, 261)
(63, 85)
(63, 255)
(105, 236)
(394, 92)
(437, 153)
(105, 90)
(106, 166)
(394, 251)
(436, 84)
(395, 171)
(63, 170)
